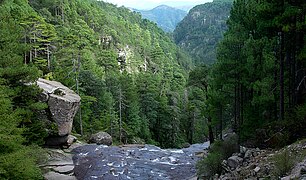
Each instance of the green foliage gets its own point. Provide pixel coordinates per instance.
(20, 164)
(220, 150)
(227, 147)
(283, 163)
(210, 165)
(301, 113)
(36, 133)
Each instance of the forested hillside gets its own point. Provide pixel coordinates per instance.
(201, 30)
(257, 86)
(166, 17)
(130, 75)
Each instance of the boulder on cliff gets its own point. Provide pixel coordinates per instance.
(63, 105)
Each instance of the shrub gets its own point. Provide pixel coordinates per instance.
(220, 150)
(210, 165)
(283, 163)
(226, 147)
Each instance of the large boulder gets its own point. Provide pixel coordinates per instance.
(63, 105)
(101, 138)
(234, 161)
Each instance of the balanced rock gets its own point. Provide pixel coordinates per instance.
(101, 138)
(63, 105)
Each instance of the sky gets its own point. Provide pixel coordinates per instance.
(149, 4)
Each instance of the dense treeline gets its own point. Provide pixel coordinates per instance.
(17, 101)
(257, 86)
(202, 29)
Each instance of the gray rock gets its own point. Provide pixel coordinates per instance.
(64, 169)
(248, 154)
(121, 56)
(71, 139)
(243, 150)
(57, 155)
(257, 169)
(303, 169)
(60, 163)
(225, 167)
(63, 104)
(303, 177)
(56, 176)
(101, 138)
(234, 161)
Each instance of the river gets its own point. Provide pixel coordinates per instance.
(148, 162)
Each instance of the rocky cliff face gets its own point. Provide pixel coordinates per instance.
(63, 105)
(202, 29)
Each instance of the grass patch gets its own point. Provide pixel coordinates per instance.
(283, 163)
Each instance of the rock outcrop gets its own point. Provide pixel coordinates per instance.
(101, 138)
(63, 105)
(59, 164)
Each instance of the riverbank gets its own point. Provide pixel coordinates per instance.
(252, 163)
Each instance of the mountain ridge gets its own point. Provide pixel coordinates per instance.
(201, 30)
(166, 17)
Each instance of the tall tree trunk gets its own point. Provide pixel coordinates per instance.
(35, 49)
(25, 53)
(281, 79)
(111, 121)
(192, 127)
(48, 58)
(221, 121)
(210, 131)
(62, 11)
(275, 108)
(209, 121)
(241, 103)
(235, 128)
(120, 114)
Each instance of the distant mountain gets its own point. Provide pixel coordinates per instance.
(164, 16)
(185, 8)
(201, 30)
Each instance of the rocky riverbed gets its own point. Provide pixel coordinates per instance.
(136, 162)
